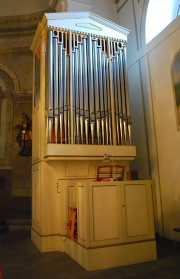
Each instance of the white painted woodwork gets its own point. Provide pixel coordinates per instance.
(111, 256)
(135, 200)
(115, 218)
(85, 22)
(117, 212)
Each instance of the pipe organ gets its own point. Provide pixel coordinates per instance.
(80, 114)
(86, 91)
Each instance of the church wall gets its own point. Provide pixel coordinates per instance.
(139, 126)
(104, 8)
(125, 11)
(153, 111)
(20, 62)
(18, 8)
(131, 16)
(21, 165)
(4, 154)
(167, 136)
(16, 62)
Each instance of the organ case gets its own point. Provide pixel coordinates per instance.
(85, 90)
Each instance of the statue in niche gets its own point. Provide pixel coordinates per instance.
(24, 137)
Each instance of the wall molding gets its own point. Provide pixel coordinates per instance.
(22, 25)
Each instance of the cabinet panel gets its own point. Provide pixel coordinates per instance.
(105, 215)
(138, 211)
(114, 212)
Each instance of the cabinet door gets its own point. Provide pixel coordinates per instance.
(138, 211)
(105, 214)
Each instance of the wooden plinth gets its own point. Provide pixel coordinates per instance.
(111, 256)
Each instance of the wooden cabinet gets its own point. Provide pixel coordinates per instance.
(114, 212)
(115, 224)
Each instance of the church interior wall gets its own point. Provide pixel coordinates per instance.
(16, 97)
(130, 14)
(167, 134)
(138, 131)
(21, 165)
(126, 18)
(106, 9)
(153, 113)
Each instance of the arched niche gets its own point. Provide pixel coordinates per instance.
(8, 84)
(176, 86)
(8, 79)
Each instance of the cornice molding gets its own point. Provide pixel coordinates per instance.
(5, 94)
(16, 95)
(22, 96)
(16, 51)
(22, 25)
(18, 33)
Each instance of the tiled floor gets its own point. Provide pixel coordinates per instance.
(20, 259)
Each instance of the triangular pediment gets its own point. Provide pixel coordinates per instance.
(89, 26)
(85, 22)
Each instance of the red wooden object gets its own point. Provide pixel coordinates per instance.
(1, 272)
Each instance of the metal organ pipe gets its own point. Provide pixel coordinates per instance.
(105, 82)
(56, 84)
(101, 94)
(73, 100)
(61, 92)
(91, 90)
(81, 91)
(87, 90)
(125, 114)
(49, 77)
(127, 97)
(96, 90)
(76, 90)
(66, 88)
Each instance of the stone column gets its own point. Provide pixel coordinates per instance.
(6, 109)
